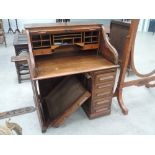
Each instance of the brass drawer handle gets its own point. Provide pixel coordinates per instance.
(104, 86)
(102, 94)
(102, 109)
(102, 102)
(106, 78)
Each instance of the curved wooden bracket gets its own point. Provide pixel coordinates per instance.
(133, 67)
(108, 50)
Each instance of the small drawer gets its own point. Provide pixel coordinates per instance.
(107, 77)
(42, 51)
(103, 110)
(102, 101)
(104, 71)
(90, 46)
(102, 94)
(101, 86)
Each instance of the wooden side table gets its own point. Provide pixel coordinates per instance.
(21, 63)
(20, 43)
(21, 52)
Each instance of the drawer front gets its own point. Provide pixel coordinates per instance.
(102, 101)
(106, 77)
(42, 51)
(101, 94)
(102, 109)
(90, 46)
(104, 71)
(103, 86)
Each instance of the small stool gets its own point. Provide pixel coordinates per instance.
(21, 63)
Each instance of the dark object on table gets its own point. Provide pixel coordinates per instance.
(10, 28)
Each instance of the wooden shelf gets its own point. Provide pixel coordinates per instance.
(39, 47)
(49, 67)
(67, 35)
(41, 40)
(88, 37)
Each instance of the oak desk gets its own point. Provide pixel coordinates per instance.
(62, 52)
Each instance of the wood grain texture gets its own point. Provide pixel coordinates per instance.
(64, 99)
(56, 67)
(60, 120)
(62, 50)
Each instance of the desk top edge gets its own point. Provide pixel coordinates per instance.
(49, 25)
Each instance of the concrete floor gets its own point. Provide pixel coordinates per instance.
(139, 100)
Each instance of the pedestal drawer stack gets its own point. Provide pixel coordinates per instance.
(101, 86)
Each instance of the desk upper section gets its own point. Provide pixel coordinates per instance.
(49, 39)
(58, 27)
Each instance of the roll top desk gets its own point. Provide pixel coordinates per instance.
(74, 63)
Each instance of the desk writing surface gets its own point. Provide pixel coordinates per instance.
(62, 66)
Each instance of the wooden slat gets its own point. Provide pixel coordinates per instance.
(19, 58)
(60, 120)
(16, 112)
(139, 82)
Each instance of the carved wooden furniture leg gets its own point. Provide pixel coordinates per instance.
(126, 55)
(144, 79)
(119, 89)
(148, 85)
(119, 96)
